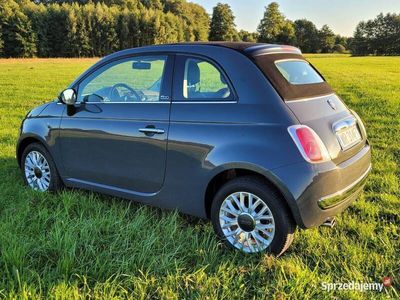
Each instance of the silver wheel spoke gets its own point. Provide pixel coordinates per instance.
(262, 211)
(257, 242)
(242, 204)
(236, 200)
(267, 233)
(227, 210)
(250, 204)
(265, 226)
(230, 224)
(260, 238)
(265, 218)
(232, 208)
(255, 205)
(232, 232)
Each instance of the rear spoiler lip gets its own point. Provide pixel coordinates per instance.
(271, 49)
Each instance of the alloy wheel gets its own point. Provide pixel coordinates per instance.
(247, 222)
(37, 171)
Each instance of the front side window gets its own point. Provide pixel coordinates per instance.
(298, 72)
(136, 79)
(202, 80)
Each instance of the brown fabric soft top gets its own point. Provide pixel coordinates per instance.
(286, 90)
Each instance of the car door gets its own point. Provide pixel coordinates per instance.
(117, 136)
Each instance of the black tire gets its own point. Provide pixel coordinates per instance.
(284, 224)
(55, 180)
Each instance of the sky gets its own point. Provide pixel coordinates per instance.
(342, 16)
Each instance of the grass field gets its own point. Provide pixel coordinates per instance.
(80, 244)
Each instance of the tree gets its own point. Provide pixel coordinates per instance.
(17, 32)
(196, 18)
(341, 40)
(274, 28)
(78, 34)
(385, 38)
(380, 36)
(306, 36)
(246, 36)
(1, 42)
(199, 20)
(222, 27)
(360, 44)
(339, 48)
(326, 39)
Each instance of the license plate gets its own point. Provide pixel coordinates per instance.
(348, 137)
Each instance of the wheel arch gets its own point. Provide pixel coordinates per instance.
(25, 142)
(227, 173)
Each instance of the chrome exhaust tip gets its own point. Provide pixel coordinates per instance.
(330, 222)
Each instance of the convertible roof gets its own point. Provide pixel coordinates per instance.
(250, 49)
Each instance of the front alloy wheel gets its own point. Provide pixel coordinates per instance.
(40, 172)
(37, 171)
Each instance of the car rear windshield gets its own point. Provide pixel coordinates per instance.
(298, 72)
(292, 75)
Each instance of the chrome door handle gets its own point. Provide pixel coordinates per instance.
(152, 130)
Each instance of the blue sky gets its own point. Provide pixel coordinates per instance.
(341, 15)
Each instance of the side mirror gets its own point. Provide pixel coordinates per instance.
(68, 97)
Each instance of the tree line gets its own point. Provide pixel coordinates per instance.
(81, 29)
(84, 28)
(380, 36)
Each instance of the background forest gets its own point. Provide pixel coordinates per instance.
(58, 28)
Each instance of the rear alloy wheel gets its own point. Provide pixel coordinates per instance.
(247, 222)
(39, 169)
(250, 216)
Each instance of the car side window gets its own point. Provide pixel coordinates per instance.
(202, 80)
(135, 79)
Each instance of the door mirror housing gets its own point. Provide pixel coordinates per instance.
(68, 97)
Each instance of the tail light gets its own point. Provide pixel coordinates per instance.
(309, 144)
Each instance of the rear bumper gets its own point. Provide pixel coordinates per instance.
(321, 191)
(337, 198)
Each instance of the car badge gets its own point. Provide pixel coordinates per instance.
(332, 104)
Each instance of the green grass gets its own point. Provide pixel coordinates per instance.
(81, 244)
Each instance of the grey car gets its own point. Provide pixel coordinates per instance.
(248, 135)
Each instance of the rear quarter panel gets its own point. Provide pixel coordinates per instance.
(207, 138)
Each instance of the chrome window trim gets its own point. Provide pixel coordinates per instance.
(144, 102)
(290, 59)
(123, 102)
(204, 102)
(311, 98)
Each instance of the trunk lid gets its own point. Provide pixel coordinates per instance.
(329, 117)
